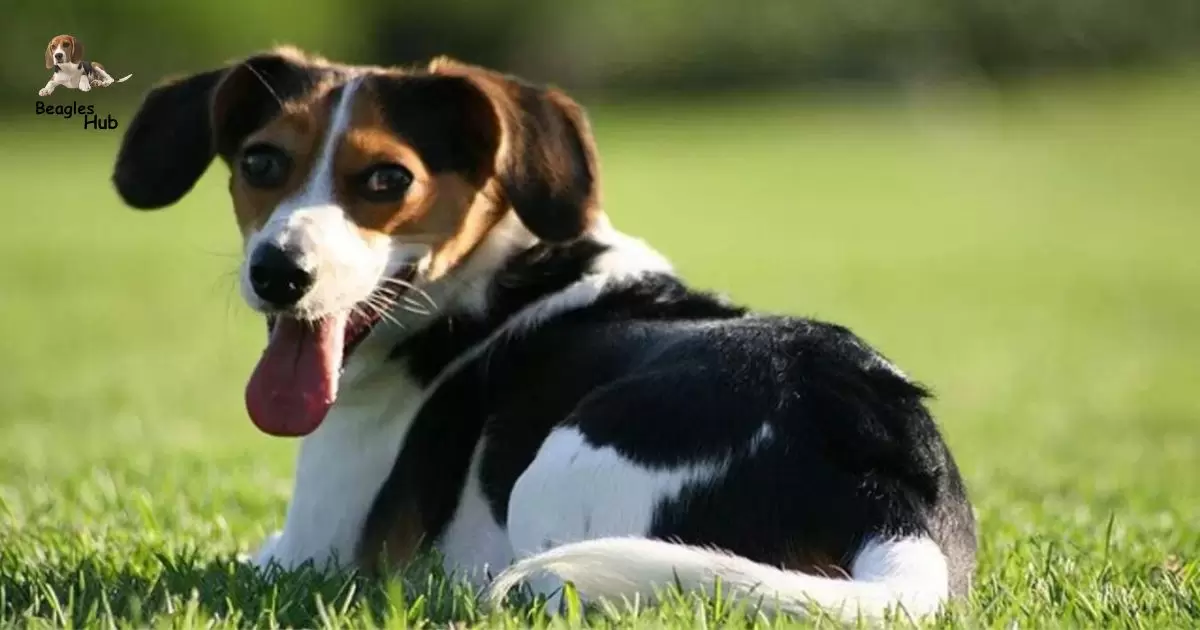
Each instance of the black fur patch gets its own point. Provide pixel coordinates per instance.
(532, 274)
(449, 121)
(818, 445)
(172, 138)
(552, 184)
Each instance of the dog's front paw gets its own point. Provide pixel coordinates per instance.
(44, 92)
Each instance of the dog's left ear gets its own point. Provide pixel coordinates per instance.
(546, 160)
(184, 123)
(76, 49)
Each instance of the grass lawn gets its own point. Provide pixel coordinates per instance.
(1030, 256)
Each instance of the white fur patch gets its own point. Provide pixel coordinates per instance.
(627, 255)
(573, 491)
(913, 568)
(340, 468)
(343, 463)
(907, 576)
(69, 75)
(474, 546)
(626, 258)
(346, 268)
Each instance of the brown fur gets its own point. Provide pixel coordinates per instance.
(76, 47)
(452, 211)
(396, 547)
(531, 153)
(445, 210)
(299, 131)
(434, 211)
(813, 562)
(73, 45)
(477, 142)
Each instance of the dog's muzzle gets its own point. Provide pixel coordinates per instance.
(277, 277)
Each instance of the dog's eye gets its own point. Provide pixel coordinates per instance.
(385, 182)
(66, 44)
(264, 166)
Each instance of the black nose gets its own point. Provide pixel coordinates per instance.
(58, 56)
(276, 276)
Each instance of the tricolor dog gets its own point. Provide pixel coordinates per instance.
(479, 363)
(64, 55)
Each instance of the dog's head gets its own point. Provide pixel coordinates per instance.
(351, 185)
(63, 49)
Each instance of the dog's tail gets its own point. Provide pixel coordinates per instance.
(907, 575)
(124, 78)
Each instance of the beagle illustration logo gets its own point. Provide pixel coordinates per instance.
(64, 55)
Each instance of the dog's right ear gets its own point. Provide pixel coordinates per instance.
(183, 124)
(76, 49)
(50, 55)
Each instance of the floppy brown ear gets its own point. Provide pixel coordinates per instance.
(50, 55)
(76, 49)
(547, 164)
(183, 124)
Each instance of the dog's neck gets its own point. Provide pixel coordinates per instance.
(510, 274)
(69, 67)
(510, 285)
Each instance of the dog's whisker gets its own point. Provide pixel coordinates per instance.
(258, 75)
(405, 301)
(409, 286)
(433, 305)
(411, 302)
(388, 293)
(390, 299)
(382, 312)
(379, 300)
(415, 311)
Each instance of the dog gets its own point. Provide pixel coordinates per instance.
(64, 55)
(480, 364)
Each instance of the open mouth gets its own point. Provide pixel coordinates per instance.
(295, 381)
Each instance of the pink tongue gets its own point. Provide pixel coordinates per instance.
(295, 381)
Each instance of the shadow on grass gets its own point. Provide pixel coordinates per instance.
(91, 591)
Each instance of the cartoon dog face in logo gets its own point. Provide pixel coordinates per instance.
(64, 55)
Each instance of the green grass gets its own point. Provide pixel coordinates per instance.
(1031, 256)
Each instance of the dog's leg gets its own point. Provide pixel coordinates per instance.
(103, 79)
(573, 491)
(85, 84)
(48, 90)
(339, 471)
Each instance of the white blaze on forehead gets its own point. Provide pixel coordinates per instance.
(319, 187)
(312, 224)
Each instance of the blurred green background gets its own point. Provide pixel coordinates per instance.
(1003, 195)
(627, 46)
